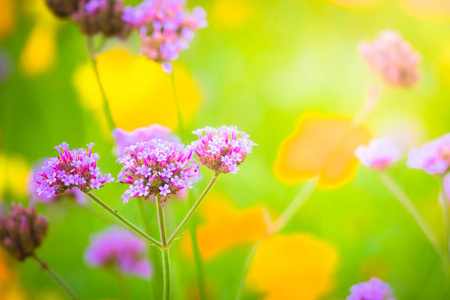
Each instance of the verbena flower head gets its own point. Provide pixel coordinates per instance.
(433, 157)
(120, 249)
(73, 193)
(379, 154)
(124, 139)
(392, 58)
(166, 28)
(101, 16)
(375, 289)
(157, 168)
(75, 168)
(63, 8)
(222, 149)
(22, 231)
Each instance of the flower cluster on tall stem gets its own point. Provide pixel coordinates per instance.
(222, 149)
(75, 168)
(157, 168)
(374, 289)
(165, 27)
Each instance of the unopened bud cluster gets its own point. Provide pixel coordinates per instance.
(22, 231)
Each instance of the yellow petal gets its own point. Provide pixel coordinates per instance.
(13, 175)
(225, 226)
(353, 3)
(39, 53)
(140, 93)
(232, 13)
(428, 9)
(295, 266)
(321, 145)
(7, 17)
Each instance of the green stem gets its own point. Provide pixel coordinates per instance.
(52, 274)
(249, 259)
(446, 219)
(177, 104)
(165, 249)
(124, 291)
(294, 206)
(197, 256)
(404, 200)
(106, 109)
(157, 267)
(279, 224)
(125, 221)
(193, 209)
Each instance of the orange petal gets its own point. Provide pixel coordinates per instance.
(140, 93)
(295, 266)
(7, 17)
(225, 226)
(321, 144)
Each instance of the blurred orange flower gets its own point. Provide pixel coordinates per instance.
(428, 9)
(7, 17)
(295, 266)
(214, 237)
(321, 145)
(138, 91)
(9, 283)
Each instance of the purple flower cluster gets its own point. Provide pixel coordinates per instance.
(75, 168)
(120, 249)
(165, 28)
(432, 157)
(379, 154)
(392, 58)
(375, 289)
(222, 149)
(124, 139)
(157, 168)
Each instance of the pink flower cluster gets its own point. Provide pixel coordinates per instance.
(222, 149)
(375, 289)
(72, 169)
(120, 249)
(392, 58)
(157, 168)
(433, 157)
(124, 139)
(379, 154)
(165, 28)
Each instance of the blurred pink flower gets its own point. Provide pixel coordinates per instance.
(379, 154)
(119, 248)
(392, 58)
(375, 289)
(165, 28)
(124, 139)
(433, 157)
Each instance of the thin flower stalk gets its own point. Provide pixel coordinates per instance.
(406, 202)
(43, 265)
(164, 249)
(444, 205)
(181, 128)
(192, 211)
(125, 221)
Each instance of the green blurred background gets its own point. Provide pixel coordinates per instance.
(259, 65)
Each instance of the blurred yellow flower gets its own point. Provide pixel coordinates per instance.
(225, 226)
(353, 3)
(427, 9)
(13, 175)
(232, 13)
(321, 145)
(9, 283)
(7, 17)
(294, 266)
(39, 53)
(138, 91)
